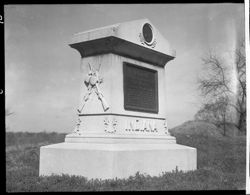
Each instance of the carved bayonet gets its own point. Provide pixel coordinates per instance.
(92, 83)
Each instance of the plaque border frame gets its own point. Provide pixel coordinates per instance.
(136, 108)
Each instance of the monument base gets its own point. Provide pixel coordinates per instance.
(111, 160)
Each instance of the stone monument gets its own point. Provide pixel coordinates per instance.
(121, 120)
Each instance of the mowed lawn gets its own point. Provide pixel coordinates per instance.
(221, 166)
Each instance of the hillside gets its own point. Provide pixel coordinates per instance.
(197, 128)
(205, 128)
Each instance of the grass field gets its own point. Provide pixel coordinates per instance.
(221, 166)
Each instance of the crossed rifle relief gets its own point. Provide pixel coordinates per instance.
(92, 83)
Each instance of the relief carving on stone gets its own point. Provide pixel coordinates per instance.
(143, 42)
(92, 83)
(77, 128)
(110, 127)
(166, 128)
(141, 126)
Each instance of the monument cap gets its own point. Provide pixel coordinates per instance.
(138, 39)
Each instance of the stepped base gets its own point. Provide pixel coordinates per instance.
(120, 139)
(111, 160)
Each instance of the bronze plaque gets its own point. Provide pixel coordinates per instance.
(140, 88)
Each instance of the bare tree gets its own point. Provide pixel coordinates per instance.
(240, 105)
(215, 112)
(217, 90)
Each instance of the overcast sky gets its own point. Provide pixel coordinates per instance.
(42, 73)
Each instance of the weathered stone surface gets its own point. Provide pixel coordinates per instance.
(124, 39)
(106, 161)
(121, 123)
